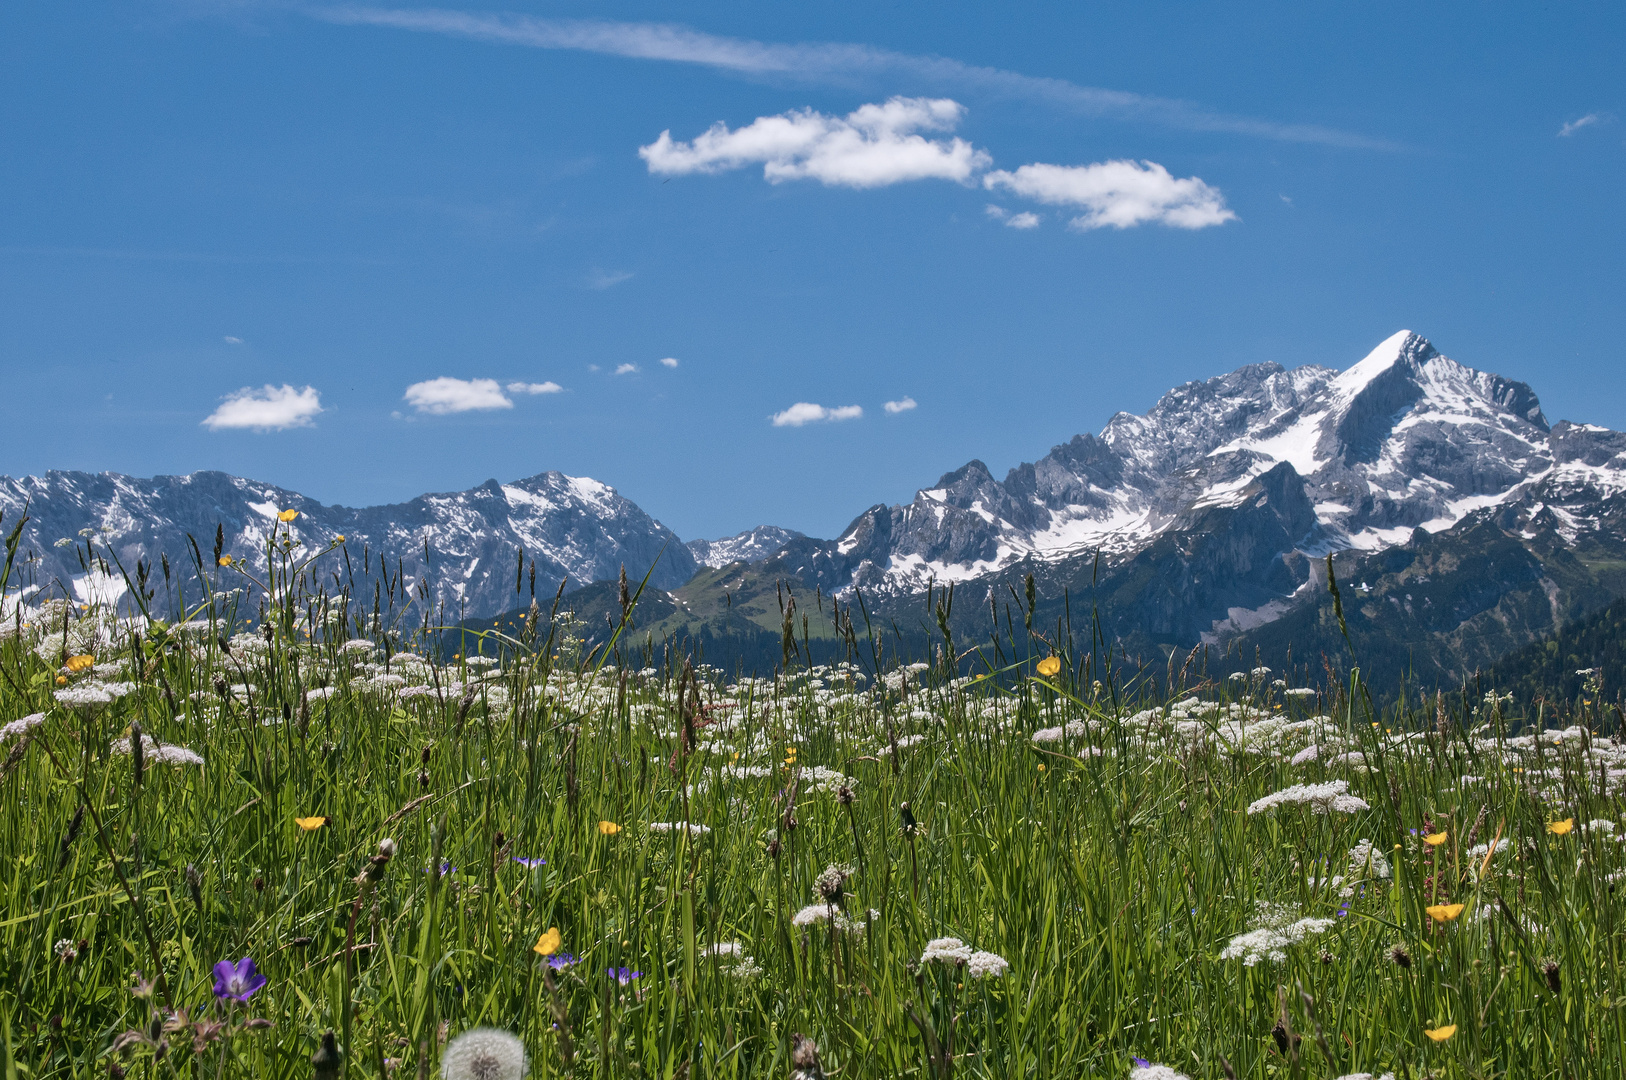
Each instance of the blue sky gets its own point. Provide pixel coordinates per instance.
(438, 220)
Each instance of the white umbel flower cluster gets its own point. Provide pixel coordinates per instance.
(1328, 798)
(847, 924)
(1274, 929)
(666, 827)
(21, 726)
(986, 965)
(732, 957)
(484, 1054)
(154, 753)
(946, 950)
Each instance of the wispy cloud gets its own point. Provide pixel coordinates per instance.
(270, 408)
(828, 62)
(805, 412)
(896, 407)
(605, 279)
(230, 340)
(548, 387)
(626, 369)
(445, 395)
(1119, 194)
(873, 146)
(1572, 126)
(669, 361)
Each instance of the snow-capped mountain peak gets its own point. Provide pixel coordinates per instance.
(1404, 438)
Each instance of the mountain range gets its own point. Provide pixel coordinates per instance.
(1462, 523)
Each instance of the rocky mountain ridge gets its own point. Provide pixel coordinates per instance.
(464, 545)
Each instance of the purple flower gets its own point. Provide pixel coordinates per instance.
(530, 864)
(1140, 1062)
(237, 982)
(623, 976)
(445, 868)
(560, 961)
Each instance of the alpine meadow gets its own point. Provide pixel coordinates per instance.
(609, 540)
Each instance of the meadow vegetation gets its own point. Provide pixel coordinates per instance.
(252, 825)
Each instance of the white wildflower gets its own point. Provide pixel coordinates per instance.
(22, 726)
(1332, 796)
(947, 950)
(983, 965)
(663, 828)
(154, 752)
(484, 1054)
(812, 913)
(84, 696)
(1364, 858)
(1274, 928)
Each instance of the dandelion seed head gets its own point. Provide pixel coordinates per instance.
(484, 1054)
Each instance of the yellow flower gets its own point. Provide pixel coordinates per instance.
(62, 680)
(1041, 768)
(339, 539)
(310, 824)
(79, 663)
(1444, 912)
(1440, 1034)
(1435, 839)
(1561, 828)
(548, 943)
(287, 515)
(225, 560)
(1050, 665)
(608, 828)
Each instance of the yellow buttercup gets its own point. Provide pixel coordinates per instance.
(1050, 665)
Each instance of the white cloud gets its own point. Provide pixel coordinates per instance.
(549, 387)
(872, 146)
(626, 369)
(896, 407)
(444, 395)
(1118, 193)
(270, 408)
(669, 361)
(229, 340)
(805, 412)
(606, 279)
(1024, 220)
(1571, 127)
(835, 63)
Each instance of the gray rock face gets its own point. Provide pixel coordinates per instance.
(751, 546)
(570, 527)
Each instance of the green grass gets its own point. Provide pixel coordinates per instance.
(1111, 882)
